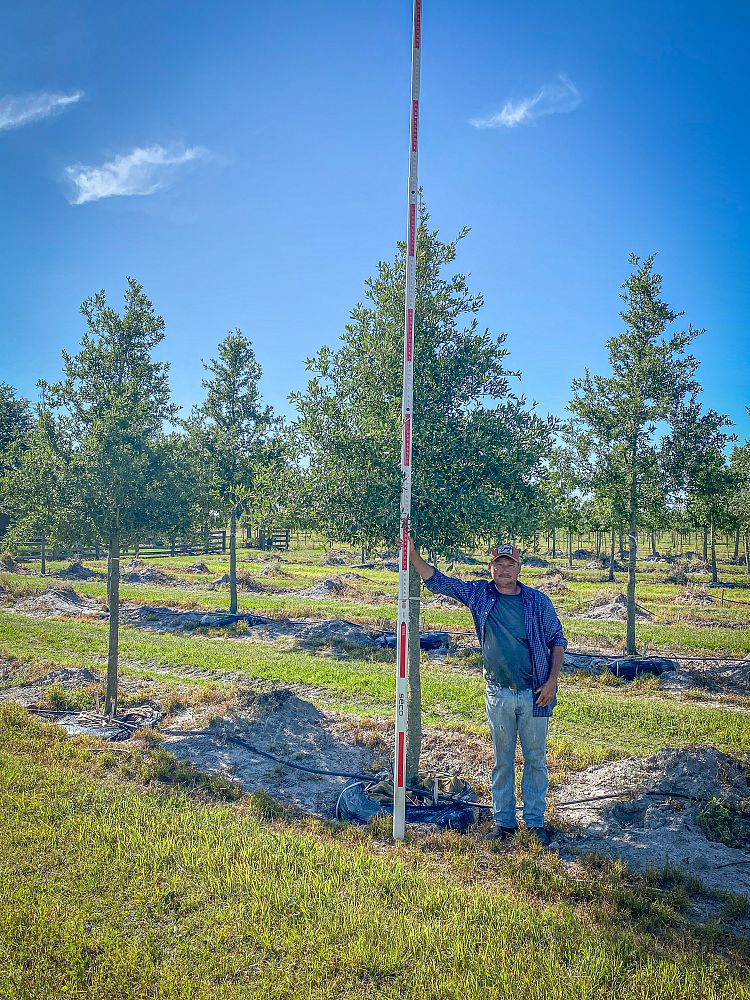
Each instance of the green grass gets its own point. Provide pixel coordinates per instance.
(669, 637)
(587, 726)
(117, 891)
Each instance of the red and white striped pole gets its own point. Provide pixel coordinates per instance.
(407, 401)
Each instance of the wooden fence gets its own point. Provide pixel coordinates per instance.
(215, 541)
(267, 538)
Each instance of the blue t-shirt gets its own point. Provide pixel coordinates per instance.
(506, 653)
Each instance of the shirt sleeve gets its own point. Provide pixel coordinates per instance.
(553, 632)
(450, 586)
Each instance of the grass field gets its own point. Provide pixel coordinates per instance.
(122, 885)
(118, 890)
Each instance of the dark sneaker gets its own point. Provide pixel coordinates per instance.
(501, 833)
(542, 834)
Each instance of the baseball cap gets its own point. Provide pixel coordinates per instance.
(507, 550)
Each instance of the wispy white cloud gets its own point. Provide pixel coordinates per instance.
(556, 98)
(22, 110)
(142, 171)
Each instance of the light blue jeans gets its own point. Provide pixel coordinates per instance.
(510, 714)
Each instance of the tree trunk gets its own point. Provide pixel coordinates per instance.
(44, 555)
(611, 576)
(233, 562)
(747, 565)
(630, 647)
(714, 573)
(570, 548)
(737, 544)
(554, 542)
(113, 595)
(414, 690)
(653, 542)
(598, 537)
(705, 543)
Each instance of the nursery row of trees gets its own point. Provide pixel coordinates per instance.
(106, 457)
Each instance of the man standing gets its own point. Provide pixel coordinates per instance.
(522, 646)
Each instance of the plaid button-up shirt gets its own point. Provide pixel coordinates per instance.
(543, 628)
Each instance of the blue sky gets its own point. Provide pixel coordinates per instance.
(247, 163)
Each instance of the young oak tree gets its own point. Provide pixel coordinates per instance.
(476, 447)
(16, 422)
(109, 410)
(739, 466)
(237, 440)
(695, 461)
(35, 486)
(651, 376)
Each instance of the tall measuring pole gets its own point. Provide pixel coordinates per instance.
(407, 401)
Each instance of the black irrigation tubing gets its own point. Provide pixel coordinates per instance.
(424, 793)
(418, 791)
(280, 760)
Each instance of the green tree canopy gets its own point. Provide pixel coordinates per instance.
(620, 414)
(109, 412)
(476, 445)
(237, 440)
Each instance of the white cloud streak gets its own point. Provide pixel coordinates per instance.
(18, 111)
(556, 98)
(142, 171)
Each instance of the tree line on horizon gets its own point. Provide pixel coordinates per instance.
(106, 459)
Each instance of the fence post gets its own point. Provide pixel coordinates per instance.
(224, 540)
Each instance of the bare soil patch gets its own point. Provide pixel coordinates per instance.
(326, 590)
(667, 814)
(60, 603)
(552, 583)
(77, 571)
(697, 594)
(612, 608)
(283, 724)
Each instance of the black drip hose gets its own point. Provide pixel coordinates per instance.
(352, 776)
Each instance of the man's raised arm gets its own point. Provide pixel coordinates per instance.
(420, 565)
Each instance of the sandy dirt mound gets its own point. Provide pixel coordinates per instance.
(59, 604)
(441, 601)
(697, 594)
(648, 828)
(325, 590)
(137, 571)
(552, 584)
(282, 724)
(174, 620)
(612, 608)
(77, 571)
(272, 570)
(696, 565)
(30, 692)
(722, 677)
(335, 557)
(9, 565)
(198, 567)
(535, 561)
